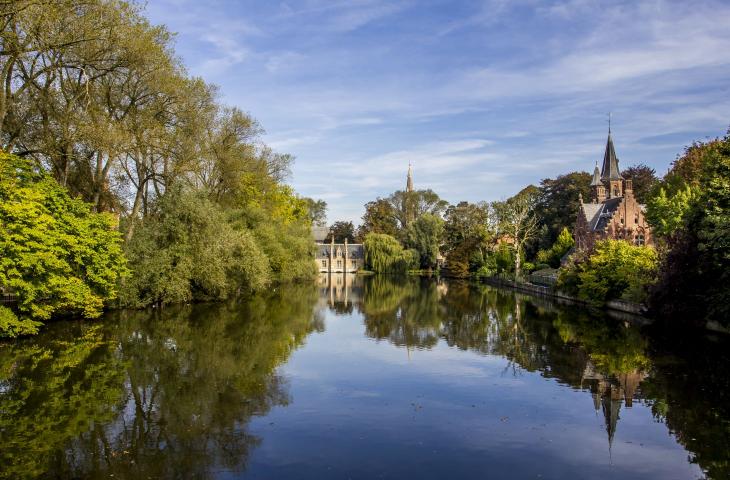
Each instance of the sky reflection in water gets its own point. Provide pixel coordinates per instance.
(365, 378)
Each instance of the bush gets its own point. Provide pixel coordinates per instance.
(56, 255)
(615, 270)
(554, 254)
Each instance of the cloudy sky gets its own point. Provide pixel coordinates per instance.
(483, 96)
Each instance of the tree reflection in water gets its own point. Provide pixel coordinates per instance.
(609, 358)
(140, 397)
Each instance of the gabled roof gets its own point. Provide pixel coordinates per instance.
(610, 169)
(591, 211)
(607, 210)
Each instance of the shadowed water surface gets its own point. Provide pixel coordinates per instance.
(364, 378)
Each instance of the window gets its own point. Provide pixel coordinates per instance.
(354, 263)
(636, 219)
(339, 263)
(324, 263)
(639, 239)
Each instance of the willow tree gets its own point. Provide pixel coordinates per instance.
(385, 254)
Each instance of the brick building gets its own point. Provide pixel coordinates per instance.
(612, 212)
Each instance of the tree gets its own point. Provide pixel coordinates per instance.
(408, 206)
(55, 254)
(385, 254)
(468, 234)
(554, 254)
(643, 180)
(424, 235)
(341, 230)
(317, 211)
(518, 223)
(693, 218)
(614, 270)
(556, 207)
(379, 217)
(175, 261)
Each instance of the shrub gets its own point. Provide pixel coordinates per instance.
(554, 254)
(56, 255)
(615, 270)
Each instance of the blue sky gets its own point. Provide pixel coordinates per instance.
(484, 97)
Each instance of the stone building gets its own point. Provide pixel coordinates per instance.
(612, 212)
(337, 257)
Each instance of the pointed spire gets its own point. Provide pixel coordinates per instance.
(596, 176)
(409, 180)
(610, 169)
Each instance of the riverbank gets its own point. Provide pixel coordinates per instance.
(635, 310)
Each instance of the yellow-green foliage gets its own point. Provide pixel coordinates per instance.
(56, 255)
(384, 254)
(554, 254)
(187, 250)
(615, 270)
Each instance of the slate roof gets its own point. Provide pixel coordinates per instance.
(598, 214)
(354, 250)
(610, 169)
(591, 211)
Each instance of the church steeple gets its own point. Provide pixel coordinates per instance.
(610, 169)
(409, 180)
(610, 172)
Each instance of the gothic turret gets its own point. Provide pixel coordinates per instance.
(599, 190)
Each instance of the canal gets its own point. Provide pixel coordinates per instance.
(365, 377)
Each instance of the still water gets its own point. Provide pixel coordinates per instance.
(364, 378)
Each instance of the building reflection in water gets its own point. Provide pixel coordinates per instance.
(341, 292)
(533, 334)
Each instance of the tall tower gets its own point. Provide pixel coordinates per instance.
(409, 180)
(610, 172)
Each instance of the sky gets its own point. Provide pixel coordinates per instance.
(483, 97)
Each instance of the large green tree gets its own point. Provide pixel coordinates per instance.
(56, 255)
(424, 235)
(557, 204)
(643, 179)
(691, 214)
(379, 217)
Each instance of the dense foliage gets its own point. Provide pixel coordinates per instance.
(692, 213)
(555, 253)
(385, 254)
(424, 236)
(614, 270)
(108, 111)
(56, 255)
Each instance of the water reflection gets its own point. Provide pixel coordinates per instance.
(146, 394)
(610, 359)
(192, 391)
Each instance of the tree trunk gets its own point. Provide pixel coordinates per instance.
(98, 181)
(135, 209)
